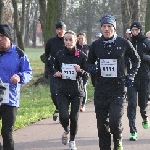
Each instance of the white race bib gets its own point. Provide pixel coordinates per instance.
(6, 94)
(68, 71)
(108, 67)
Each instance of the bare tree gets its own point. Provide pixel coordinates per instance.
(1, 11)
(42, 17)
(130, 12)
(147, 19)
(16, 25)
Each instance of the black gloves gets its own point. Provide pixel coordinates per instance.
(92, 69)
(129, 79)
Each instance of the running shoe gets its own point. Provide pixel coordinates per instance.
(146, 123)
(72, 145)
(65, 138)
(133, 136)
(55, 115)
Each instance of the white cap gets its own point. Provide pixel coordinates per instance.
(98, 35)
(128, 31)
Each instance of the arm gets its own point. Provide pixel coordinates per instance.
(25, 71)
(134, 57)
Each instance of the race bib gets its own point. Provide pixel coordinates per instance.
(108, 67)
(68, 71)
(6, 94)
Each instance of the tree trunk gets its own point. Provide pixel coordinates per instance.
(52, 17)
(147, 19)
(126, 14)
(26, 37)
(1, 11)
(34, 26)
(42, 18)
(22, 27)
(16, 26)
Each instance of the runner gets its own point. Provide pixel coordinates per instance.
(69, 65)
(53, 45)
(110, 52)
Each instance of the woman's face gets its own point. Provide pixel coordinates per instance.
(70, 40)
(81, 39)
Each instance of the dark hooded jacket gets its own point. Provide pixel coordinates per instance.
(142, 46)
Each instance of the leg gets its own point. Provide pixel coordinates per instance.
(8, 113)
(116, 112)
(143, 101)
(103, 127)
(143, 97)
(131, 108)
(53, 89)
(74, 115)
(63, 107)
(84, 98)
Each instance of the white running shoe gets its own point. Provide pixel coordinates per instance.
(65, 138)
(72, 145)
(82, 108)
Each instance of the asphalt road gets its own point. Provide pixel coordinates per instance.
(46, 134)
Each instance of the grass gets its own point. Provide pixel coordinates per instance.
(35, 102)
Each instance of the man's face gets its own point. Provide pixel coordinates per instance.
(4, 42)
(70, 40)
(107, 30)
(135, 31)
(60, 32)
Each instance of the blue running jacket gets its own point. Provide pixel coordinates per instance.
(14, 61)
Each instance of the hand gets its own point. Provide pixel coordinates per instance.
(15, 79)
(92, 68)
(77, 68)
(57, 74)
(129, 80)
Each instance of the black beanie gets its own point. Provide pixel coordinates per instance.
(136, 24)
(61, 25)
(108, 19)
(5, 30)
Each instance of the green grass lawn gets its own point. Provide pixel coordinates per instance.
(35, 103)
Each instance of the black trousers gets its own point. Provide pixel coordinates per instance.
(69, 120)
(8, 115)
(109, 100)
(53, 88)
(139, 93)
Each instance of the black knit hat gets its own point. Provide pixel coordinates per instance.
(108, 19)
(5, 30)
(136, 24)
(61, 25)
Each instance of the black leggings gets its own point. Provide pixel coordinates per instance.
(63, 106)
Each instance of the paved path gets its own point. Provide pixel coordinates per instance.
(46, 134)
